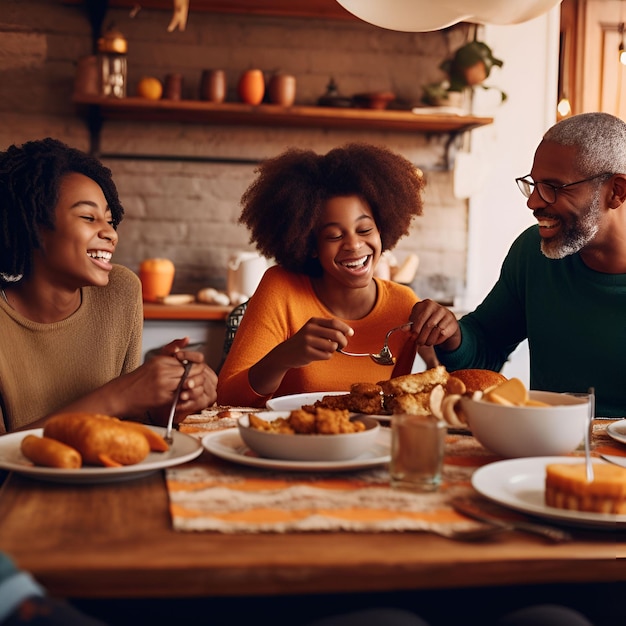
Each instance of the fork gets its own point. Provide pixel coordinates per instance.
(467, 507)
(170, 421)
(384, 357)
(484, 531)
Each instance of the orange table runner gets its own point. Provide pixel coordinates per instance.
(215, 495)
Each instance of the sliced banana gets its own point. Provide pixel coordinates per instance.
(452, 413)
(437, 394)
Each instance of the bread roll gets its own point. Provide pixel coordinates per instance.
(50, 452)
(100, 439)
(478, 379)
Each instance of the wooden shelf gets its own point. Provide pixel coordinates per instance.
(200, 112)
(192, 311)
(324, 9)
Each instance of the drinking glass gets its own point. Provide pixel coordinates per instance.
(417, 450)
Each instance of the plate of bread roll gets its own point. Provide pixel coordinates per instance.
(93, 448)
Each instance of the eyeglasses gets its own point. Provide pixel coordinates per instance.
(547, 192)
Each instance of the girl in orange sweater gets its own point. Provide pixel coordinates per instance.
(325, 220)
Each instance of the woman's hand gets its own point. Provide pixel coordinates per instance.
(199, 389)
(435, 325)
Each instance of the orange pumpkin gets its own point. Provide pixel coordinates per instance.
(157, 276)
(251, 87)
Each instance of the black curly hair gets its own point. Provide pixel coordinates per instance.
(30, 176)
(281, 208)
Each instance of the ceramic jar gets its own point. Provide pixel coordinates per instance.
(173, 89)
(213, 86)
(87, 76)
(282, 89)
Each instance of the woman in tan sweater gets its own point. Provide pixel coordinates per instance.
(70, 320)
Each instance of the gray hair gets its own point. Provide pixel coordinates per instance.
(599, 137)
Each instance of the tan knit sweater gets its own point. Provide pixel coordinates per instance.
(45, 366)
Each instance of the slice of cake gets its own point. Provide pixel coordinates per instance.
(567, 488)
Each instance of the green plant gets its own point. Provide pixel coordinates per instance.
(469, 67)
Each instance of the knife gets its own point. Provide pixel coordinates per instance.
(170, 420)
(469, 508)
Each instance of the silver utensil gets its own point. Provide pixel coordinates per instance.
(469, 508)
(616, 460)
(482, 532)
(170, 421)
(588, 427)
(384, 357)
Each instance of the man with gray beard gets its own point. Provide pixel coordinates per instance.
(562, 285)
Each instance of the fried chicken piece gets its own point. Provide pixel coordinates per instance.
(340, 402)
(369, 390)
(411, 403)
(331, 422)
(279, 425)
(415, 383)
(302, 421)
(368, 405)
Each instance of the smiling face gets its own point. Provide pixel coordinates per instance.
(573, 220)
(78, 251)
(348, 242)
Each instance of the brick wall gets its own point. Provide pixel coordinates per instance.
(188, 209)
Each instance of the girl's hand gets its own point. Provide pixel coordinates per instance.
(435, 325)
(317, 340)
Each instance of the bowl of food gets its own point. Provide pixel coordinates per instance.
(545, 424)
(322, 435)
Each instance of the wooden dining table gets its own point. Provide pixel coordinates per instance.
(116, 541)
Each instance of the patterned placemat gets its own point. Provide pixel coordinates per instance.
(215, 495)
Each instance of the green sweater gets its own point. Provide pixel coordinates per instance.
(574, 319)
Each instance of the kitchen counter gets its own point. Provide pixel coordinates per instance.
(204, 324)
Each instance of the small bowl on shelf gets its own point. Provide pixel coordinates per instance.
(376, 100)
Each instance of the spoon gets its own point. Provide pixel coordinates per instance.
(384, 357)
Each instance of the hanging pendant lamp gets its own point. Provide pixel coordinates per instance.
(427, 15)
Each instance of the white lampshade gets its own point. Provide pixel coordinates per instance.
(425, 15)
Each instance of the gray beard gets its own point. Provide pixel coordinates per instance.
(575, 236)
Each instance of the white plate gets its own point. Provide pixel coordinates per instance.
(617, 431)
(298, 400)
(228, 445)
(520, 484)
(183, 449)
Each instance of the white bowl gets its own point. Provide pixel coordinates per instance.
(523, 431)
(341, 447)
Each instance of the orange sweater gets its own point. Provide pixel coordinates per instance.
(281, 305)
